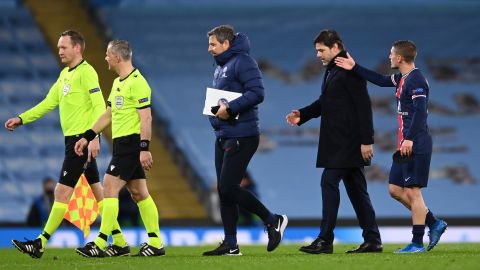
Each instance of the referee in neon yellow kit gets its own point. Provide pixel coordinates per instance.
(78, 95)
(130, 114)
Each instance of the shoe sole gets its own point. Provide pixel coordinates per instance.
(417, 251)
(23, 251)
(159, 255)
(18, 247)
(154, 255)
(228, 254)
(86, 255)
(315, 252)
(81, 253)
(119, 255)
(356, 252)
(432, 246)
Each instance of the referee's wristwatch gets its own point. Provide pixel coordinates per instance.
(144, 145)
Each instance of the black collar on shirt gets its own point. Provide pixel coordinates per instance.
(70, 69)
(128, 75)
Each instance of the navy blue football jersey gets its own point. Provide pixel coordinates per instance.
(412, 93)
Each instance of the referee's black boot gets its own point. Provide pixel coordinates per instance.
(318, 246)
(91, 250)
(117, 251)
(31, 247)
(367, 247)
(147, 250)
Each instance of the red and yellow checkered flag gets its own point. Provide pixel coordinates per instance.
(82, 208)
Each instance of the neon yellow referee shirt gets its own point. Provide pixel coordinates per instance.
(127, 96)
(78, 95)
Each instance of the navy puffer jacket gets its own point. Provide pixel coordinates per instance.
(238, 72)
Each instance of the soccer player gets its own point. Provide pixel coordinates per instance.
(408, 178)
(128, 110)
(77, 93)
(237, 136)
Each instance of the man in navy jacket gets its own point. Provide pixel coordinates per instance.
(237, 136)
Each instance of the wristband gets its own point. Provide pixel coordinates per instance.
(144, 145)
(89, 135)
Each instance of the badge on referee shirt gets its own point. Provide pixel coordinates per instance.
(66, 89)
(119, 102)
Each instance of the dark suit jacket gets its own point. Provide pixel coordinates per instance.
(346, 122)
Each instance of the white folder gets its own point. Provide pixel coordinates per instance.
(213, 96)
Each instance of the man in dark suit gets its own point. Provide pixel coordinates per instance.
(345, 145)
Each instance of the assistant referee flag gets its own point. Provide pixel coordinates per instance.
(82, 208)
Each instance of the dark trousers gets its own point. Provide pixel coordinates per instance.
(356, 186)
(232, 156)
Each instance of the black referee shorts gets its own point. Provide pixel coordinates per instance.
(73, 165)
(125, 161)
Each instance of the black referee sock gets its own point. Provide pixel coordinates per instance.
(418, 231)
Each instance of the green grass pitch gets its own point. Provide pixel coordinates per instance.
(444, 256)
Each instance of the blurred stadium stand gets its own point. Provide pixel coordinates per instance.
(171, 48)
(170, 44)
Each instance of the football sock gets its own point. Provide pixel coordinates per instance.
(109, 217)
(149, 214)
(54, 220)
(117, 235)
(418, 231)
(430, 219)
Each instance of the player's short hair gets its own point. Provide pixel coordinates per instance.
(222, 33)
(329, 38)
(121, 48)
(406, 49)
(76, 38)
